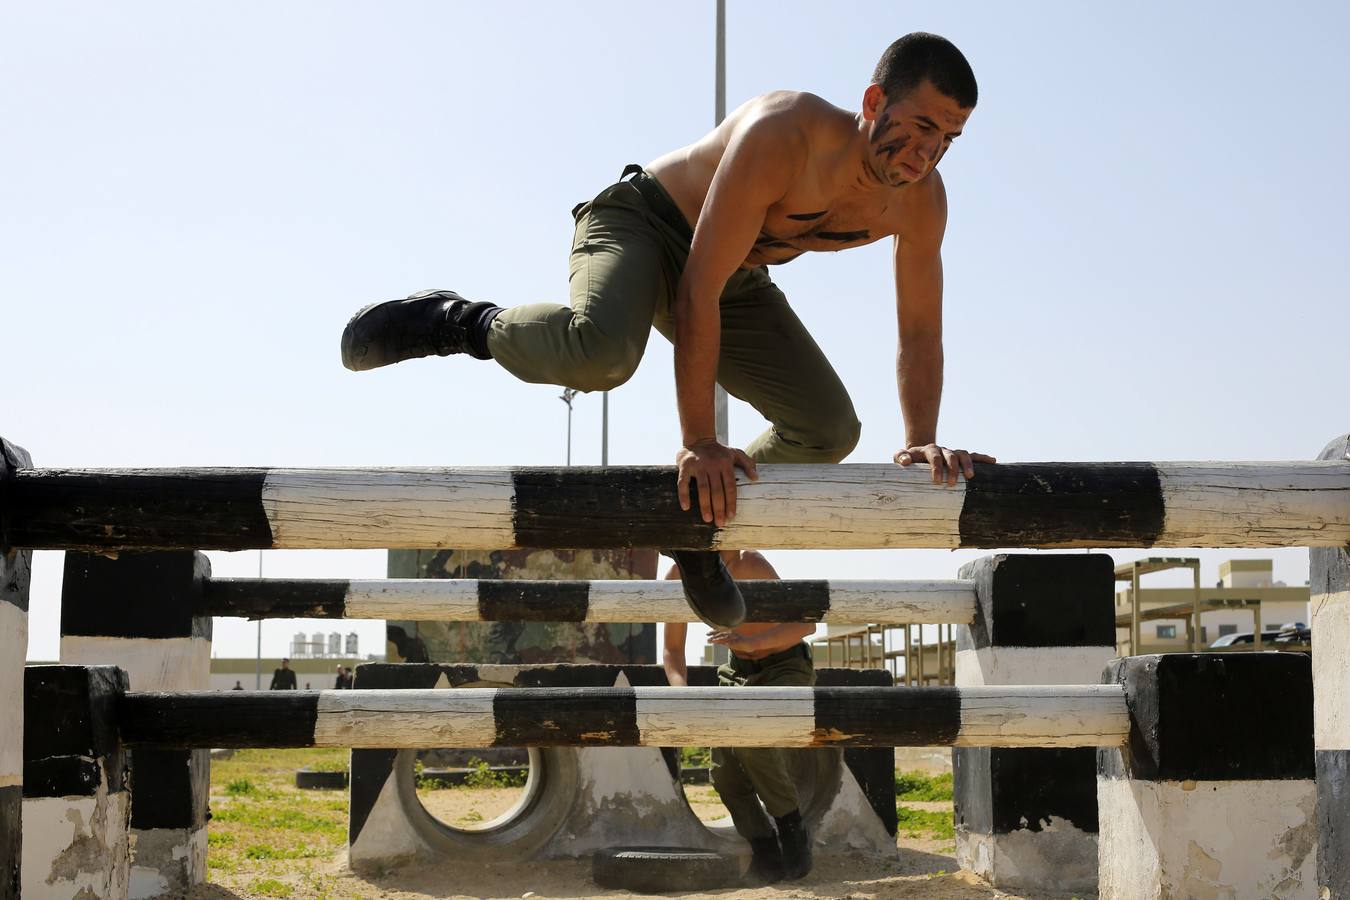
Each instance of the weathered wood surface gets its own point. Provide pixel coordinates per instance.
(1038, 716)
(1205, 504)
(519, 600)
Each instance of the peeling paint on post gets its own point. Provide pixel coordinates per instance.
(138, 611)
(1329, 570)
(1026, 818)
(15, 574)
(76, 807)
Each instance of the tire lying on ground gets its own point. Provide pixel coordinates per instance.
(658, 870)
(309, 780)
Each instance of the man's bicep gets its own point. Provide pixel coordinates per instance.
(676, 634)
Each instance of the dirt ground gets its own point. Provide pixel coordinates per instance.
(924, 869)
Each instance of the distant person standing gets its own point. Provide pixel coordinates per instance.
(238, 686)
(351, 679)
(340, 683)
(283, 679)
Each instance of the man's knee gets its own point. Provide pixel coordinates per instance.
(729, 780)
(835, 437)
(607, 364)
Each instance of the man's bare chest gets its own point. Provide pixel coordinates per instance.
(789, 231)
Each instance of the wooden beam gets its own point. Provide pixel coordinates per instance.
(511, 600)
(1016, 716)
(791, 506)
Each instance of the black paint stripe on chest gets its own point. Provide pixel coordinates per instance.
(1063, 505)
(842, 237)
(541, 717)
(96, 509)
(533, 601)
(886, 716)
(611, 506)
(807, 217)
(279, 598)
(785, 601)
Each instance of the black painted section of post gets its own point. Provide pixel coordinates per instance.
(599, 717)
(236, 719)
(1037, 619)
(71, 744)
(11, 843)
(135, 595)
(276, 598)
(91, 509)
(1329, 571)
(1191, 717)
(785, 601)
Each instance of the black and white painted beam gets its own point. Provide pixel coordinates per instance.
(511, 600)
(15, 575)
(1018, 716)
(1213, 794)
(1026, 817)
(1201, 504)
(1329, 570)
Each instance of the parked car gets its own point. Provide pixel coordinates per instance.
(1295, 634)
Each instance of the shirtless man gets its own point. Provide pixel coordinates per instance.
(785, 174)
(746, 777)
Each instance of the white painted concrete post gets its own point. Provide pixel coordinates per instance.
(1330, 582)
(1026, 818)
(138, 611)
(15, 571)
(76, 805)
(1213, 794)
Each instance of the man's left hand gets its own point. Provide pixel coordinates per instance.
(947, 465)
(734, 641)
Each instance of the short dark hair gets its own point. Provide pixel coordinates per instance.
(920, 57)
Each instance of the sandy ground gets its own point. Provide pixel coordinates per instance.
(923, 869)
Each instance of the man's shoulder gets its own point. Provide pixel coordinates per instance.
(792, 108)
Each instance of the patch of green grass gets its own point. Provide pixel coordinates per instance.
(918, 786)
(289, 817)
(270, 887)
(925, 823)
(267, 851)
(482, 776)
(693, 757)
(239, 787)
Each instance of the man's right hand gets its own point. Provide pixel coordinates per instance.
(712, 467)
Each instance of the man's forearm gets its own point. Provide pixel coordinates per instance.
(698, 338)
(918, 369)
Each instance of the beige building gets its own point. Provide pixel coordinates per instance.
(1245, 595)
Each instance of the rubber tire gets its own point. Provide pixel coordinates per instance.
(309, 780)
(663, 870)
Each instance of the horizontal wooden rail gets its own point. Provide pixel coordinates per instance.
(1199, 504)
(1017, 716)
(512, 600)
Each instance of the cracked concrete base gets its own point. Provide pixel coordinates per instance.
(181, 853)
(76, 848)
(1207, 840)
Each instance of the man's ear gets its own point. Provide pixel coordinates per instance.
(874, 101)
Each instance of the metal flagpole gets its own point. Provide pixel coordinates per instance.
(257, 668)
(720, 113)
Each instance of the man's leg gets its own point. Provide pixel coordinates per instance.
(620, 272)
(770, 361)
(737, 791)
(767, 769)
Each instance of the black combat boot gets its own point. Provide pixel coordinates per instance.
(766, 862)
(432, 323)
(709, 589)
(796, 843)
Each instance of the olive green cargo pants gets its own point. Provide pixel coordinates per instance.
(630, 245)
(745, 777)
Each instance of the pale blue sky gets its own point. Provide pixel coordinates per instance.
(1145, 257)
